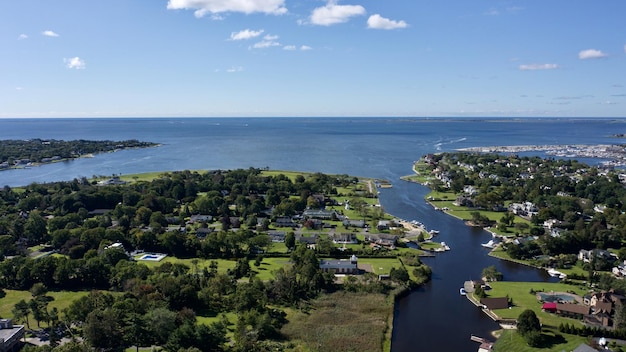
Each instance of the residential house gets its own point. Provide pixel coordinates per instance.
(342, 266)
(10, 335)
(382, 239)
(112, 181)
(620, 269)
(587, 255)
(235, 222)
(199, 218)
(464, 201)
(285, 221)
(310, 241)
(492, 303)
(181, 229)
(383, 225)
(344, 238)
(321, 214)
(572, 310)
(470, 190)
(202, 232)
(354, 223)
(277, 236)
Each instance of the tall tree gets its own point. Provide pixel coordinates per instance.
(20, 311)
(528, 322)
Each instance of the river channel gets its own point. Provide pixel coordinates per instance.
(435, 317)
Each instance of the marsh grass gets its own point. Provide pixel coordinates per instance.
(342, 322)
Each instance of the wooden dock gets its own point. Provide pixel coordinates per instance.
(485, 345)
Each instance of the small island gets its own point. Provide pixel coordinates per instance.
(560, 215)
(32, 152)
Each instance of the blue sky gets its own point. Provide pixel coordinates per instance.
(117, 58)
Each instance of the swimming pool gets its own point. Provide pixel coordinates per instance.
(155, 257)
(556, 297)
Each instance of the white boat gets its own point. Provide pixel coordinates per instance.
(490, 244)
(555, 273)
(445, 246)
(433, 232)
(462, 291)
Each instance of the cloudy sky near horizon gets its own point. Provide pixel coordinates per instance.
(77, 58)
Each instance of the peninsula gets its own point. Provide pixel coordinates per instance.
(32, 152)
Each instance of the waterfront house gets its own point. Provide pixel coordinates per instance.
(587, 255)
(382, 239)
(572, 310)
(549, 307)
(383, 225)
(492, 303)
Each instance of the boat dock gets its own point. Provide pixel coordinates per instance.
(485, 345)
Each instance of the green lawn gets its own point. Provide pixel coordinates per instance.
(522, 299)
(429, 246)
(62, 300)
(268, 266)
(222, 264)
(510, 340)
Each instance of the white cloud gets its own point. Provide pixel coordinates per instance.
(378, 22)
(49, 34)
(245, 34)
(534, 67)
(267, 42)
(203, 7)
(75, 63)
(333, 13)
(591, 54)
(235, 69)
(22, 36)
(293, 47)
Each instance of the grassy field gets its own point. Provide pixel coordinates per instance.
(519, 292)
(222, 264)
(341, 322)
(429, 246)
(268, 266)
(553, 341)
(62, 300)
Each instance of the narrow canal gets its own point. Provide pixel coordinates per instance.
(436, 316)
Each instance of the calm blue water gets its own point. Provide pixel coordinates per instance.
(433, 318)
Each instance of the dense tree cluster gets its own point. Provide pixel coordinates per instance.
(38, 150)
(131, 304)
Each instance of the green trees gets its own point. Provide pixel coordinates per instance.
(529, 327)
(491, 273)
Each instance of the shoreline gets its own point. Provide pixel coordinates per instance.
(86, 155)
(614, 154)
